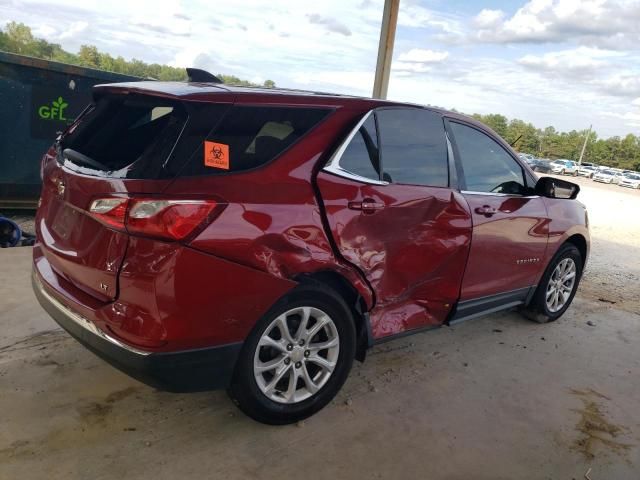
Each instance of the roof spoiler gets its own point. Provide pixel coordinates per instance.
(201, 76)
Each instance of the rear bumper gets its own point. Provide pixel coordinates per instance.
(183, 371)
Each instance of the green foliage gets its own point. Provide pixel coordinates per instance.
(17, 38)
(549, 143)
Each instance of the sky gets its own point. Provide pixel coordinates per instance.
(566, 63)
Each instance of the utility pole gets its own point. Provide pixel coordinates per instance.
(385, 48)
(584, 145)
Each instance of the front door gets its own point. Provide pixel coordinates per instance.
(394, 215)
(510, 223)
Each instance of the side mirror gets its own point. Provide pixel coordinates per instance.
(556, 188)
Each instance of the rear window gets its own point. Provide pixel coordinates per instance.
(144, 137)
(250, 136)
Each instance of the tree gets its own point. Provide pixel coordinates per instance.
(498, 123)
(89, 56)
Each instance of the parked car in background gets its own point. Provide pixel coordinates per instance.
(539, 165)
(586, 171)
(200, 235)
(606, 176)
(631, 180)
(564, 167)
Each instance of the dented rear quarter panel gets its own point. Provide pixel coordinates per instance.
(272, 220)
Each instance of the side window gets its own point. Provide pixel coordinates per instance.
(487, 166)
(254, 135)
(361, 155)
(413, 147)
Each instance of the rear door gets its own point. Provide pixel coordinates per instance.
(122, 146)
(510, 223)
(394, 214)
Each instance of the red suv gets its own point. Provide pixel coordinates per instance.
(202, 236)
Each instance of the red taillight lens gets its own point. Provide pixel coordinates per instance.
(167, 219)
(170, 219)
(110, 211)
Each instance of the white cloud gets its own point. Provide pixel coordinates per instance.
(636, 102)
(414, 15)
(410, 67)
(74, 29)
(419, 55)
(581, 59)
(488, 18)
(605, 23)
(330, 23)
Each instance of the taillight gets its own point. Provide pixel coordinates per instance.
(161, 218)
(110, 211)
(170, 219)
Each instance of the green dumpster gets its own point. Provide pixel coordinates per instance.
(38, 98)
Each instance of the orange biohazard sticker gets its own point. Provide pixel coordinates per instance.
(216, 155)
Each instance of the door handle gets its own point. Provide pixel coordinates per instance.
(486, 210)
(367, 205)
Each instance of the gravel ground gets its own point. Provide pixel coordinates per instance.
(494, 398)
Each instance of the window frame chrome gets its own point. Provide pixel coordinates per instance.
(333, 165)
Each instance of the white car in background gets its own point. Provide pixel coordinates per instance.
(607, 176)
(586, 171)
(564, 167)
(631, 180)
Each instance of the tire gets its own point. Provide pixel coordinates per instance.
(539, 309)
(575, 174)
(255, 393)
(562, 172)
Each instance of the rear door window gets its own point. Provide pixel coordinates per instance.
(413, 147)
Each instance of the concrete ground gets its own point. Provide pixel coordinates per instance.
(494, 398)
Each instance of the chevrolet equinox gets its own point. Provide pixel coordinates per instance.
(202, 236)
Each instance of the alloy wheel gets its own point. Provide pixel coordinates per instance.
(296, 355)
(561, 285)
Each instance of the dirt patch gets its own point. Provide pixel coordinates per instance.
(96, 412)
(596, 431)
(36, 340)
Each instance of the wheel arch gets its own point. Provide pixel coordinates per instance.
(357, 304)
(581, 244)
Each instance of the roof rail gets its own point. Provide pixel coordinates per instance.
(201, 76)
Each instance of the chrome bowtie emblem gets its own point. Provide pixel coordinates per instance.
(61, 187)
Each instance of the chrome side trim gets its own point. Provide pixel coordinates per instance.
(80, 320)
(333, 165)
(341, 172)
